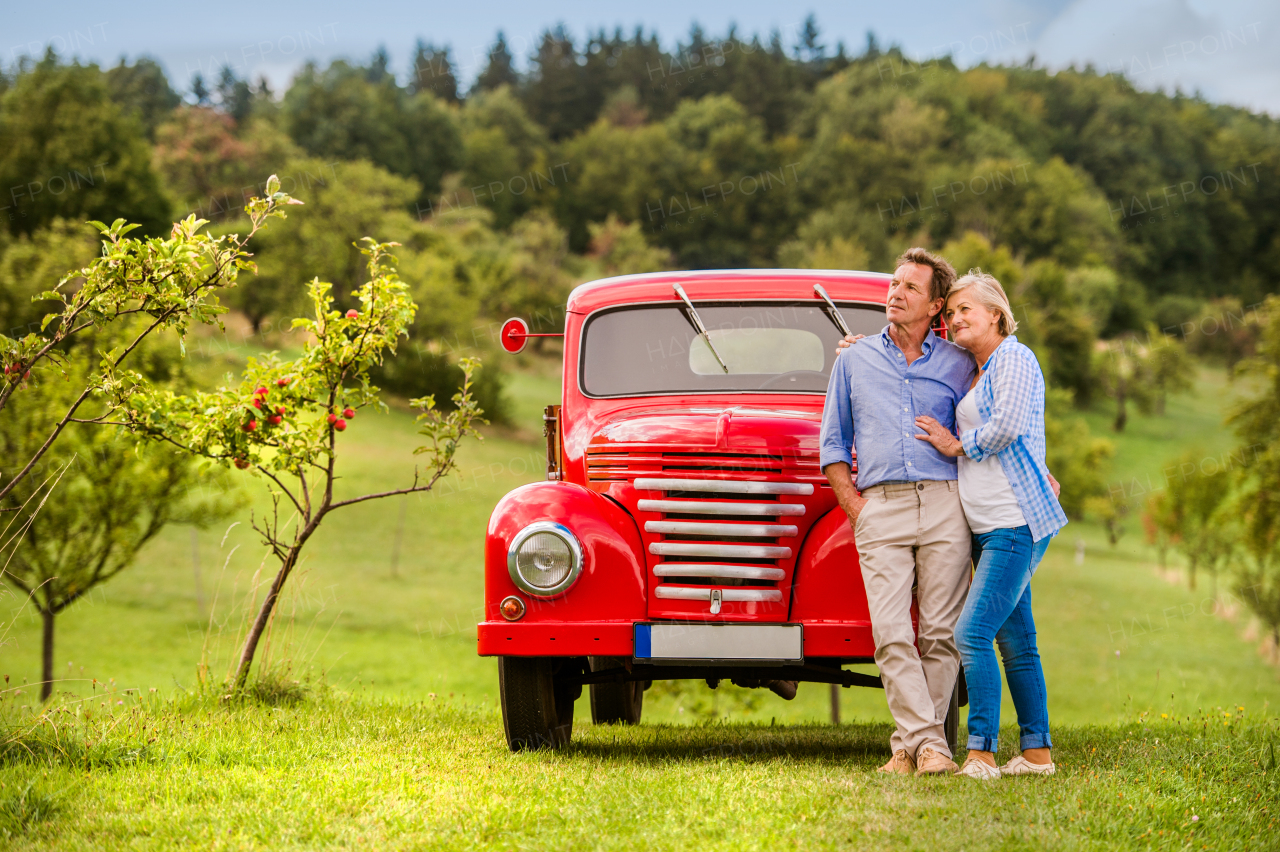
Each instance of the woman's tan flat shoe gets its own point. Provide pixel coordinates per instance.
(974, 768)
(1021, 766)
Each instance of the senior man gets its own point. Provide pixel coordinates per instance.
(908, 522)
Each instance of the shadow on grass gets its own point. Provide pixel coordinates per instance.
(813, 744)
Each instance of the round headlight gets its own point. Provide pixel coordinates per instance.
(544, 558)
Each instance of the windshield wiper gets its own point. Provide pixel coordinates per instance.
(697, 324)
(834, 313)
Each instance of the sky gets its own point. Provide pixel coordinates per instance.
(1227, 50)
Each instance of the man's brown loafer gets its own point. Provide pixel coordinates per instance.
(932, 763)
(900, 764)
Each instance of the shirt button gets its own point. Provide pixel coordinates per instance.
(904, 408)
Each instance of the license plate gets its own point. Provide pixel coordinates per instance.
(721, 643)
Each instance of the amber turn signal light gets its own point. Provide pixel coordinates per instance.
(512, 608)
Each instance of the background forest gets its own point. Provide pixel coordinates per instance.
(1107, 207)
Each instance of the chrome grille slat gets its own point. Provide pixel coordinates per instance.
(682, 593)
(702, 528)
(719, 521)
(711, 569)
(705, 507)
(742, 551)
(728, 486)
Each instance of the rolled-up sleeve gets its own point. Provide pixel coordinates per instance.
(1013, 381)
(837, 416)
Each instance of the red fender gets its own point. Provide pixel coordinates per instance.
(595, 614)
(828, 596)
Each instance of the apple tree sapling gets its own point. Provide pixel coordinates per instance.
(282, 420)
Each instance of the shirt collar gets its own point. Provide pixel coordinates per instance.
(991, 360)
(926, 346)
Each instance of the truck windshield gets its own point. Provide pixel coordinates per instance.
(778, 347)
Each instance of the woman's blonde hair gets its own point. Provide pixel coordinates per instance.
(990, 295)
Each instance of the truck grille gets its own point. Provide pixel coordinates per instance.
(731, 523)
(701, 543)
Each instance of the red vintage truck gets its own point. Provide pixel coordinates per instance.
(685, 528)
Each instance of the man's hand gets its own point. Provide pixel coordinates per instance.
(1053, 483)
(847, 341)
(859, 503)
(840, 475)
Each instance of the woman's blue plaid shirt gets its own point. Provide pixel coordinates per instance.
(1010, 397)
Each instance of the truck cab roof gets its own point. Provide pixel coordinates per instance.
(722, 284)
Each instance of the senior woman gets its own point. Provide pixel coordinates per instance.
(1008, 499)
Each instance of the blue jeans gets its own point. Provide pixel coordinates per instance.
(999, 609)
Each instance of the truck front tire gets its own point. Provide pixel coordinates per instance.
(615, 703)
(537, 706)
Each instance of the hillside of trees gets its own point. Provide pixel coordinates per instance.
(1108, 211)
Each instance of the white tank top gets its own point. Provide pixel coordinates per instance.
(988, 499)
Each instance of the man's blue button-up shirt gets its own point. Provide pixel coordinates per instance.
(874, 397)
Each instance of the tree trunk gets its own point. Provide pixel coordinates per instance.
(1122, 416)
(264, 618)
(1191, 571)
(46, 683)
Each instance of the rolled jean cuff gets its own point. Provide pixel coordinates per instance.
(1034, 741)
(977, 743)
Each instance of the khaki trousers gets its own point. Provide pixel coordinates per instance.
(915, 533)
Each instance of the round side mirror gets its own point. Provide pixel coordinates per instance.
(515, 333)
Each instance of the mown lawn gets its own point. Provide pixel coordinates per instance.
(337, 772)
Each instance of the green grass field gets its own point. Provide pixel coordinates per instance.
(401, 746)
(381, 774)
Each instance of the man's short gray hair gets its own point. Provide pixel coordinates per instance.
(987, 290)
